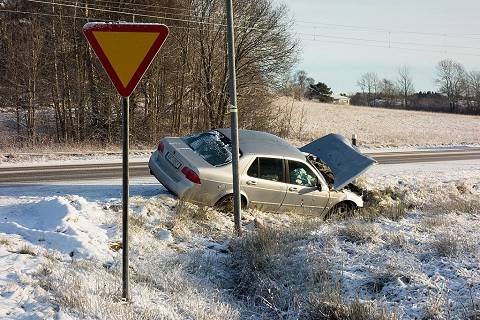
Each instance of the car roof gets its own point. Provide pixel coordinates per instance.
(263, 143)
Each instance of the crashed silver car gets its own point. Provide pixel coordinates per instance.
(274, 175)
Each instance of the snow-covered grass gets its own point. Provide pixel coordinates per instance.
(60, 251)
(60, 248)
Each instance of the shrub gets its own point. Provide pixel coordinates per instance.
(360, 232)
(385, 203)
(269, 272)
(326, 308)
(4, 241)
(26, 250)
(447, 245)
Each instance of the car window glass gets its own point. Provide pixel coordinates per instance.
(301, 174)
(212, 146)
(267, 168)
(323, 168)
(253, 170)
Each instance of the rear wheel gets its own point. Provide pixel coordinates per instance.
(225, 204)
(341, 210)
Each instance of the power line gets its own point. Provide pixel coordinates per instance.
(103, 9)
(388, 42)
(393, 47)
(138, 8)
(370, 29)
(174, 27)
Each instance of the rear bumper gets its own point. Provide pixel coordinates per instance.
(178, 187)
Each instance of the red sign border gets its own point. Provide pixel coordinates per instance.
(160, 29)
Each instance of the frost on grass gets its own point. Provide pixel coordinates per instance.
(186, 263)
(377, 127)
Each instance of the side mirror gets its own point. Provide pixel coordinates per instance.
(319, 187)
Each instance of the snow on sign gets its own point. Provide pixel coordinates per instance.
(125, 50)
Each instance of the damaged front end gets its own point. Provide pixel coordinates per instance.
(338, 161)
(327, 173)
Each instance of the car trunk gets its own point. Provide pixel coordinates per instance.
(176, 155)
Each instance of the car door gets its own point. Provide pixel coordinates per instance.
(306, 192)
(264, 183)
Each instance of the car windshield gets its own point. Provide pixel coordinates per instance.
(212, 146)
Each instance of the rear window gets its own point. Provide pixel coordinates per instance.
(212, 146)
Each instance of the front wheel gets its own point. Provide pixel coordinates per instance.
(340, 211)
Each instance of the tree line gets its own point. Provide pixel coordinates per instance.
(57, 90)
(458, 90)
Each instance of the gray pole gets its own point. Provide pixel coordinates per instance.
(125, 195)
(233, 119)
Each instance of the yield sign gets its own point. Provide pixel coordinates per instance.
(125, 50)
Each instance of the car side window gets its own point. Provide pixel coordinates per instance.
(267, 168)
(301, 174)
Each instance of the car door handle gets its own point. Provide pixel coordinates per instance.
(251, 183)
(292, 189)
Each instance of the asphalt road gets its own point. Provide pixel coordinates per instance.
(426, 156)
(86, 172)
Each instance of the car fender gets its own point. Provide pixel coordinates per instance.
(229, 191)
(344, 195)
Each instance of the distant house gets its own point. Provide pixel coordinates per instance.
(341, 100)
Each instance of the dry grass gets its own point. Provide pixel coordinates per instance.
(359, 232)
(25, 249)
(288, 271)
(272, 272)
(377, 127)
(333, 308)
(447, 245)
(14, 149)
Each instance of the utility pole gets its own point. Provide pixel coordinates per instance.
(233, 120)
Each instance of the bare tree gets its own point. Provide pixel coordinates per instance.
(24, 68)
(263, 52)
(46, 61)
(368, 83)
(474, 90)
(299, 84)
(300, 78)
(404, 84)
(387, 90)
(451, 79)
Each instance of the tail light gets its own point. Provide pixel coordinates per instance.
(191, 175)
(160, 146)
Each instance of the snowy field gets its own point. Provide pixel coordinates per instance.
(60, 251)
(379, 128)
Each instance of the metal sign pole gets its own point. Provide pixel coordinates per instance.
(233, 120)
(125, 196)
(110, 41)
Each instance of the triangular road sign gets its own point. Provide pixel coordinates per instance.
(125, 50)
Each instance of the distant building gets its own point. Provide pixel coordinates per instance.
(341, 100)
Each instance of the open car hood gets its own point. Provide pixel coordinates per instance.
(345, 160)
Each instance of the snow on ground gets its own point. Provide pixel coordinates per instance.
(58, 238)
(378, 127)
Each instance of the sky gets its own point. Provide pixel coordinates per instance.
(343, 39)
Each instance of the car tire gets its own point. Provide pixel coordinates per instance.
(340, 211)
(225, 204)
